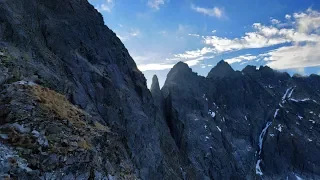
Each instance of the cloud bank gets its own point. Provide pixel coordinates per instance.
(295, 43)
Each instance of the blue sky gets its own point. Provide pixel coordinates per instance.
(284, 35)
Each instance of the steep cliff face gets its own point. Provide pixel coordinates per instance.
(258, 123)
(64, 46)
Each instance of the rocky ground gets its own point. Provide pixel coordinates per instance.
(44, 136)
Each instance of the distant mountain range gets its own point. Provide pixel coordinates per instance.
(243, 124)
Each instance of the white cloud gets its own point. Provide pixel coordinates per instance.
(194, 57)
(295, 56)
(192, 62)
(308, 22)
(141, 58)
(304, 50)
(215, 11)
(122, 38)
(146, 67)
(196, 61)
(247, 57)
(298, 44)
(194, 54)
(266, 36)
(288, 16)
(214, 31)
(250, 40)
(191, 58)
(275, 21)
(134, 32)
(148, 57)
(195, 35)
(301, 38)
(155, 4)
(107, 6)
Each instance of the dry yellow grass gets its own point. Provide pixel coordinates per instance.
(84, 144)
(58, 105)
(101, 127)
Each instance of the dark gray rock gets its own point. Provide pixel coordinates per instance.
(222, 69)
(156, 93)
(65, 46)
(219, 122)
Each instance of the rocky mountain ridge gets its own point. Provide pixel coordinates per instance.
(64, 46)
(73, 105)
(247, 124)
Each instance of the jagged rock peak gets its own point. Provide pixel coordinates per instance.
(265, 68)
(261, 69)
(156, 92)
(222, 69)
(179, 73)
(181, 66)
(249, 69)
(315, 75)
(155, 84)
(264, 71)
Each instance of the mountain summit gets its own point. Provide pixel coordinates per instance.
(222, 69)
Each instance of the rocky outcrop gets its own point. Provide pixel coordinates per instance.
(156, 93)
(44, 136)
(245, 125)
(65, 46)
